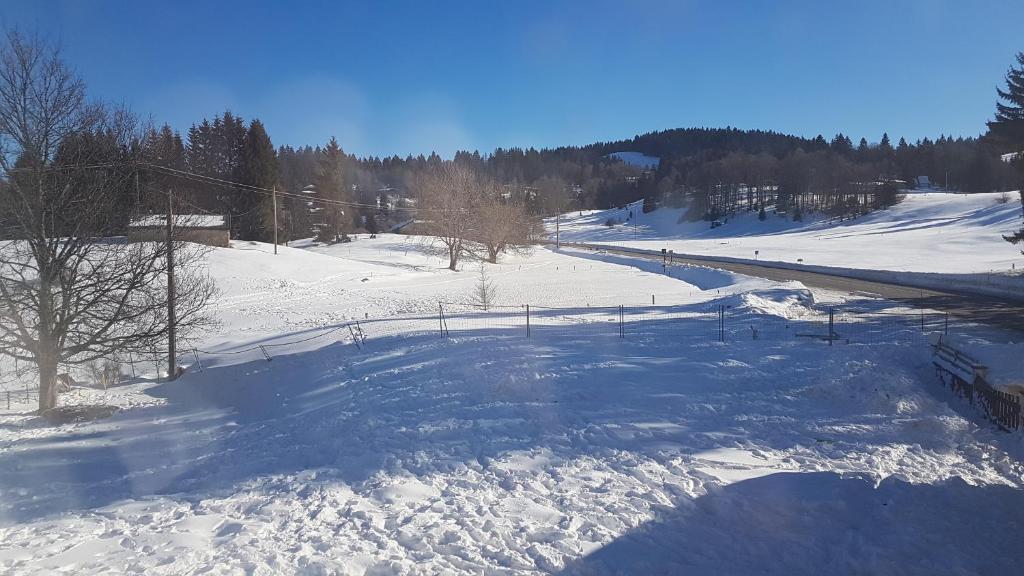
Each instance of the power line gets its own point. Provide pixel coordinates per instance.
(230, 184)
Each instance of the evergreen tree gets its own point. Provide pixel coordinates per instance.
(885, 145)
(215, 149)
(371, 222)
(841, 144)
(162, 148)
(330, 185)
(1008, 126)
(253, 217)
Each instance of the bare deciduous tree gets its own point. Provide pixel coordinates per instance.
(72, 290)
(502, 223)
(449, 197)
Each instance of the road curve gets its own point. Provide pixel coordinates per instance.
(1004, 314)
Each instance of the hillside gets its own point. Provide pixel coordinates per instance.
(926, 232)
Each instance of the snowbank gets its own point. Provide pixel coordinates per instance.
(997, 285)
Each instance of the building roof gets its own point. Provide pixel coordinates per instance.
(194, 221)
(1011, 156)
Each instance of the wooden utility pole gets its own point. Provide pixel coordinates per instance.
(172, 369)
(273, 196)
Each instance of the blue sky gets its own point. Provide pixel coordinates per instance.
(410, 77)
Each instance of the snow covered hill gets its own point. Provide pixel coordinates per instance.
(490, 452)
(927, 232)
(637, 159)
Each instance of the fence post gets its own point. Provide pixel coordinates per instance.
(8, 399)
(527, 320)
(131, 362)
(831, 325)
(198, 363)
(440, 319)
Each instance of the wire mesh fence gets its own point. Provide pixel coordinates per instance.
(718, 322)
(682, 324)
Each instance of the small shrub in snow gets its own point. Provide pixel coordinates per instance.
(484, 293)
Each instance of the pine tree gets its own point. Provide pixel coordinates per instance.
(885, 145)
(841, 144)
(330, 185)
(161, 148)
(1008, 125)
(258, 167)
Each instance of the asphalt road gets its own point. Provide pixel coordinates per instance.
(1006, 314)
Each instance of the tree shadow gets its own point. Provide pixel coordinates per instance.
(425, 405)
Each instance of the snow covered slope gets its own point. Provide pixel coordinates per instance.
(637, 159)
(501, 454)
(927, 232)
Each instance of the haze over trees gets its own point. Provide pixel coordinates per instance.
(714, 172)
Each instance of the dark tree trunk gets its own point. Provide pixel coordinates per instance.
(47, 380)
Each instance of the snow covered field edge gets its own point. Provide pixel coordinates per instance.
(999, 285)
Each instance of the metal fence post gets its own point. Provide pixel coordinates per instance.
(527, 320)
(721, 323)
(440, 319)
(831, 325)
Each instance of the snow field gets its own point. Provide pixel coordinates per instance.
(492, 453)
(926, 232)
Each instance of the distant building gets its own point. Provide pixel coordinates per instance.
(1011, 156)
(922, 183)
(198, 228)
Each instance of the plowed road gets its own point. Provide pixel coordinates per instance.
(1007, 314)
